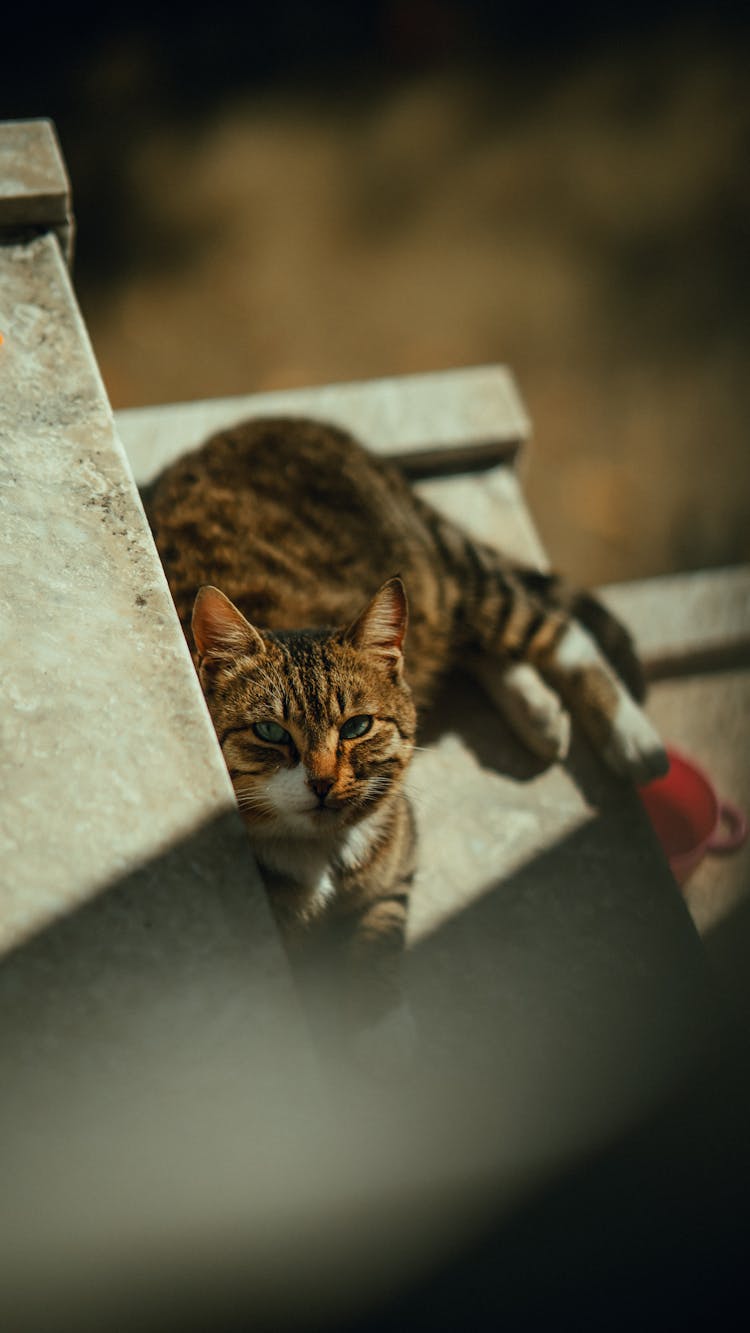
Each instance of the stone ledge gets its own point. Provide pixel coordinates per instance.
(34, 185)
(142, 981)
(686, 623)
(441, 422)
(92, 647)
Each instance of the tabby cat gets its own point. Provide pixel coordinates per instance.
(289, 551)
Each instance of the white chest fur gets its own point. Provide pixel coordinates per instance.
(313, 862)
(303, 860)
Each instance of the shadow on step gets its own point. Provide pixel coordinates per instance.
(463, 709)
(169, 1147)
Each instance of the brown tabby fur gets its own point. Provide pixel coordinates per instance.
(299, 527)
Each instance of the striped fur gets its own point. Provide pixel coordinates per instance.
(298, 526)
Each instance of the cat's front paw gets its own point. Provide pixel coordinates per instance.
(387, 1047)
(532, 710)
(535, 712)
(634, 749)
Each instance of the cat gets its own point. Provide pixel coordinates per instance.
(325, 602)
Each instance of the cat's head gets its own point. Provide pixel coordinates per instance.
(316, 726)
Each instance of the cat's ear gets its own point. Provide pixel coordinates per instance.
(219, 629)
(381, 627)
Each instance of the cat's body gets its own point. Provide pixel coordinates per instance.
(299, 527)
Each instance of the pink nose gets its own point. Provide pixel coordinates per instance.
(321, 787)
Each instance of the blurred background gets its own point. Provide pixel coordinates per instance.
(306, 193)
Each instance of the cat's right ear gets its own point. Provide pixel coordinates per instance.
(220, 630)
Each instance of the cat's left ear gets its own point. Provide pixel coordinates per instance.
(380, 628)
(219, 629)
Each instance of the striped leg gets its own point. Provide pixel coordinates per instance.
(525, 639)
(527, 624)
(532, 710)
(571, 661)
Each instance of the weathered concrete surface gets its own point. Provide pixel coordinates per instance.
(687, 623)
(108, 757)
(490, 505)
(141, 966)
(429, 421)
(34, 186)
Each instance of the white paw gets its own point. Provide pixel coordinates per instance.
(634, 749)
(386, 1048)
(531, 708)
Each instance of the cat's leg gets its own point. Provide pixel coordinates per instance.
(572, 662)
(383, 1031)
(524, 618)
(533, 711)
(578, 604)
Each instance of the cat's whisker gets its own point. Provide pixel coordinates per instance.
(249, 800)
(250, 797)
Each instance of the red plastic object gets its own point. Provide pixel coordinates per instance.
(688, 817)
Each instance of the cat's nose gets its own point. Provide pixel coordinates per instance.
(321, 786)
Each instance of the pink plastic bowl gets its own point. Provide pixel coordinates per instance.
(688, 817)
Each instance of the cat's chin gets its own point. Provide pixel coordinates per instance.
(315, 821)
(325, 816)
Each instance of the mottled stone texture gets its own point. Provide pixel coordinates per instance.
(140, 949)
(108, 755)
(429, 422)
(686, 623)
(34, 186)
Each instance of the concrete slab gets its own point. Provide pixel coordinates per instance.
(688, 623)
(34, 185)
(434, 422)
(490, 505)
(91, 648)
(140, 959)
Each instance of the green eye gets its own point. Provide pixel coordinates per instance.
(271, 731)
(356, 726)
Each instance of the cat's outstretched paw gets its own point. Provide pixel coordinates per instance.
(618, 728)
(532, 710)
(386, 1048)
(634, 749)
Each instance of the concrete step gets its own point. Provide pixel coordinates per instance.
(142, 978)
(34, 185)
(688, 623)
(431, 423)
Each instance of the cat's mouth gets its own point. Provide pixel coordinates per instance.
(325, 807)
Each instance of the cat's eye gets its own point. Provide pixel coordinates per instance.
(271, 731)
(355, 727)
